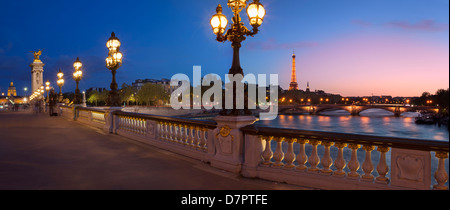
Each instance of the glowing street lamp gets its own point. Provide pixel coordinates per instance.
(41, 92)
(236, 34)
(113, 62)
(60, 83)
(77, 76)
(47, 88)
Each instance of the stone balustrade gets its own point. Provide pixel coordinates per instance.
(191, 138)
(313, 159)
(343, 161)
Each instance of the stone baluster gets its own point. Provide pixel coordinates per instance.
(201, 138)
(175, 132)
(368, 165)
(133, 125)
(125, 123)
(166, 131)
(120, 122)
(382, 167)
(314, 159)
(441, 175)
(138, 124)
(185, 134)
(129, 124)
(196, 138)
(268, 154)
(191, 136)
(290, 155)
(278, 156)
(171, 137)
(180, 134)
(340, 163)
(327, 161)
(161, 131)
(144, 127)
(302, 158)
(353, 164)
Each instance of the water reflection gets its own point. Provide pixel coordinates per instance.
(375, 122)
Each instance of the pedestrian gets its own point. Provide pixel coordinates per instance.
(53, 97)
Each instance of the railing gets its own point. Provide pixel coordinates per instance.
(313, 159)
(91, 116)
(192, 138)
(66, 111)
(334, 160)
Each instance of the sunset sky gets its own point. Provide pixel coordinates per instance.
(347, 47)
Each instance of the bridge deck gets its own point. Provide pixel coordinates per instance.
(38, 152)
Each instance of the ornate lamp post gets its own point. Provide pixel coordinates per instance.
(77, 76)
(236, 34)
(60, 83)
(47, 88)
(113, 62)
(42, 99)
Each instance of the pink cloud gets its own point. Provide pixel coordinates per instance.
(424, 25)
(272, 44)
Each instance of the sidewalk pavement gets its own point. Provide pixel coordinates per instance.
(39, 152)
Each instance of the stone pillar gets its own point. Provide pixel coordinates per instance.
(254, 147)
(37, 75)
(229, 142)
(110, 120)
(84, 100)
(411, 168)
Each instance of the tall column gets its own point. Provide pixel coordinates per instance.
(37, 75)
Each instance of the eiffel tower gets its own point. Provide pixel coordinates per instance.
(294, 84)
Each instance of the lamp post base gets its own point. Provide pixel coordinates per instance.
(77, 97)
(113, 99)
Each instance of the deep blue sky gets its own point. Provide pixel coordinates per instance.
(163, 38)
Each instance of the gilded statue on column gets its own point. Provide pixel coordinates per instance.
(37, 55)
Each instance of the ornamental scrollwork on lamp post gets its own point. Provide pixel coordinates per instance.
(77, 76)
(236, 34)
(60, 83)
(113, 62)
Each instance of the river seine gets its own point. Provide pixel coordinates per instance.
(374, 122)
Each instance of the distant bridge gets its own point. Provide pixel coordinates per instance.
(354, 110)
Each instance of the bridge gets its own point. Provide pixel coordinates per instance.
(107, 148)
(354, 110)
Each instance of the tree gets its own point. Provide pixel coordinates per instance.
(151, 94)
(127, 94)
(97, 98)
(94, 97)
(442, 98)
